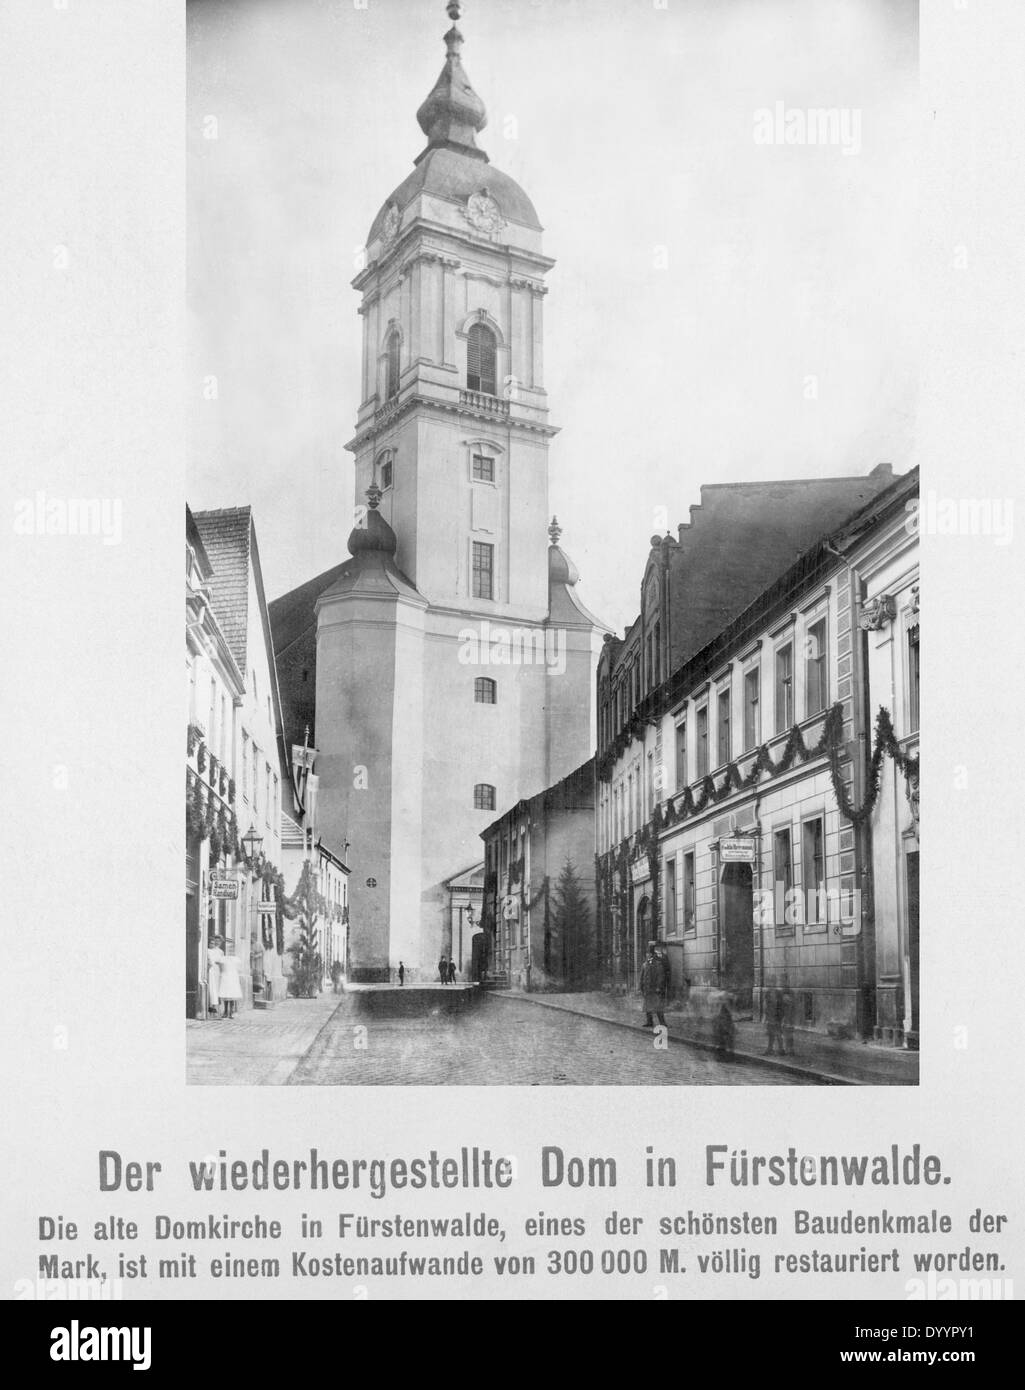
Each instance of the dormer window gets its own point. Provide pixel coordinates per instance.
(481, 355)
(392, 365)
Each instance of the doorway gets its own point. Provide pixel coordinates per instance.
(913, 956)
(738, 953)
(642, 934)
(192, 929)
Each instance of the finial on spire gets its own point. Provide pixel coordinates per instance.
(374, 493)
(453, 113)
(554, 531)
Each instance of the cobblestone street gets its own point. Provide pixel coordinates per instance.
(508, 1042)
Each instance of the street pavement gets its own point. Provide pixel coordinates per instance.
(508, 1042)
(258, 1047)
(815, 1057)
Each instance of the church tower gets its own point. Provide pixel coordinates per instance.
(454, 662)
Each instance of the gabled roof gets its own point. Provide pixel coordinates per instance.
(226, 534)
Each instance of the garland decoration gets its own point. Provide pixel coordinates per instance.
(685, 804)
(195, 735)
(201, 757)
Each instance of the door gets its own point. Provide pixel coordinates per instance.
(738, 932)
(642, 935)
(191, 929)
(913, 960)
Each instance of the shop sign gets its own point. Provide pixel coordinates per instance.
(737, 849)
(224, 888)
(640, 871)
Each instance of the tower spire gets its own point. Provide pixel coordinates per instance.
(453, 112)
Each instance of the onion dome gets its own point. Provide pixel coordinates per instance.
(376, 535)
(561, 569)
(453, 112)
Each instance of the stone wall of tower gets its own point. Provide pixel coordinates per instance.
(438, 509)
(369, 698)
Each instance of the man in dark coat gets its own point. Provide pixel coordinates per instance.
(654, 985)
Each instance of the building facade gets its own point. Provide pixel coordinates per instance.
(235, 757)
(539, 891)
(735, 798)
(451, 658)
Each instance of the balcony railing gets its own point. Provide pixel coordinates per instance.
(480, 400)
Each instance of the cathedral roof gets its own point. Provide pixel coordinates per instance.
(452, 166)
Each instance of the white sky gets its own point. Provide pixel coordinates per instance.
(633, 131)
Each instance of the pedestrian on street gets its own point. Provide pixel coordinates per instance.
(443, 970)
(452, 972)
(336, 977)
(231, 982)
(725, 1032)
(214, 957)
(773, 1018)
(654, 986)
(786, 1022)
(402, 973)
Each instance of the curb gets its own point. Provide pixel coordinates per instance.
(752, 1058)
(287, 1080)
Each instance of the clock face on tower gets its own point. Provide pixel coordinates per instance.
(483, 212)
(391, 223)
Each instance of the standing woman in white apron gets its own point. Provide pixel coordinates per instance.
(231, 982)
(214, 957)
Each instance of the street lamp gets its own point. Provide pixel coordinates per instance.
(252, 843)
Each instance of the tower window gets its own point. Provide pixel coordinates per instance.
(483, 570)
(480, 359)
(483, 797)
(392, 374)
(483, 469)
(386, 474)
(485, 690)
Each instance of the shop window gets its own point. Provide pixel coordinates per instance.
(670, 878)
(783, 881)
(689, 900)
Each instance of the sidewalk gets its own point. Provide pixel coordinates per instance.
(258, 1047)
(831, 1061)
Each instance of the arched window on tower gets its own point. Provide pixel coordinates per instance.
(485, 690)
(392, 368)
(484, 797)
(481, 354)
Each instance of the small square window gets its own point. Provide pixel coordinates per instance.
(483, 469)
(485, 690)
